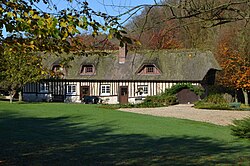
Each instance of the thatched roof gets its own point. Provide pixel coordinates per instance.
(185, 65)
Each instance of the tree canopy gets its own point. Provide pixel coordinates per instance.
(51, 31)
(187, 23)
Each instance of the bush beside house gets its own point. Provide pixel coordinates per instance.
(214, 101)
(220, 102)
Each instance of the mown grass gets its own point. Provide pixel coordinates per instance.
(77, 134)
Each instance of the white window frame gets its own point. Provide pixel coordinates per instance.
(105, 90)
(142, 90)
(44, 87)
(71, 89)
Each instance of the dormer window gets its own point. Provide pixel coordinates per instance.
(149, 69)
(87, 70)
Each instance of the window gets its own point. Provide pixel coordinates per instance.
(105, 90)
(71, 89)
(87, 69)
(142, 89)
(150, 69)
(44, 87)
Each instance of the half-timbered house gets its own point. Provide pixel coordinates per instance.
(122, 77)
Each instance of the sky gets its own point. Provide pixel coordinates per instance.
(111, 7)
(116, 7)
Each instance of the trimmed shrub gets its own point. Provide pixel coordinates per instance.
(164, 100)
(241, 128)
(198, 90)
(215, 101)
(244, 107)
(205, 105)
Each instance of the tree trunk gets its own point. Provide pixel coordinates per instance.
(11, 98)
(20, 96)
(245, 96)
(236, 96)
(12, 94)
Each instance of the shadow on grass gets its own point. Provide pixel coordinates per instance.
(53, 141)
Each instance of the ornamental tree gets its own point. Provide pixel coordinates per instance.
(18, 67)
(235, 70)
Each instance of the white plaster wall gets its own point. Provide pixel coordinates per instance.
(135, 100)
(131, 100)
(78, 89)
(109, 99)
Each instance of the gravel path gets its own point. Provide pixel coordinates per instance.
(219, 117)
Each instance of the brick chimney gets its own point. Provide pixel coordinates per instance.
(122, 54)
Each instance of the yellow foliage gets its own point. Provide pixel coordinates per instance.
(63, 24)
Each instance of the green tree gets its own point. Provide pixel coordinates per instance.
(30, 30)
(18, 67)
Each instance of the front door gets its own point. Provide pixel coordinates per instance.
(84, 91)
(123, 96)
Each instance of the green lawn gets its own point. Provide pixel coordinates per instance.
(77, 134)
